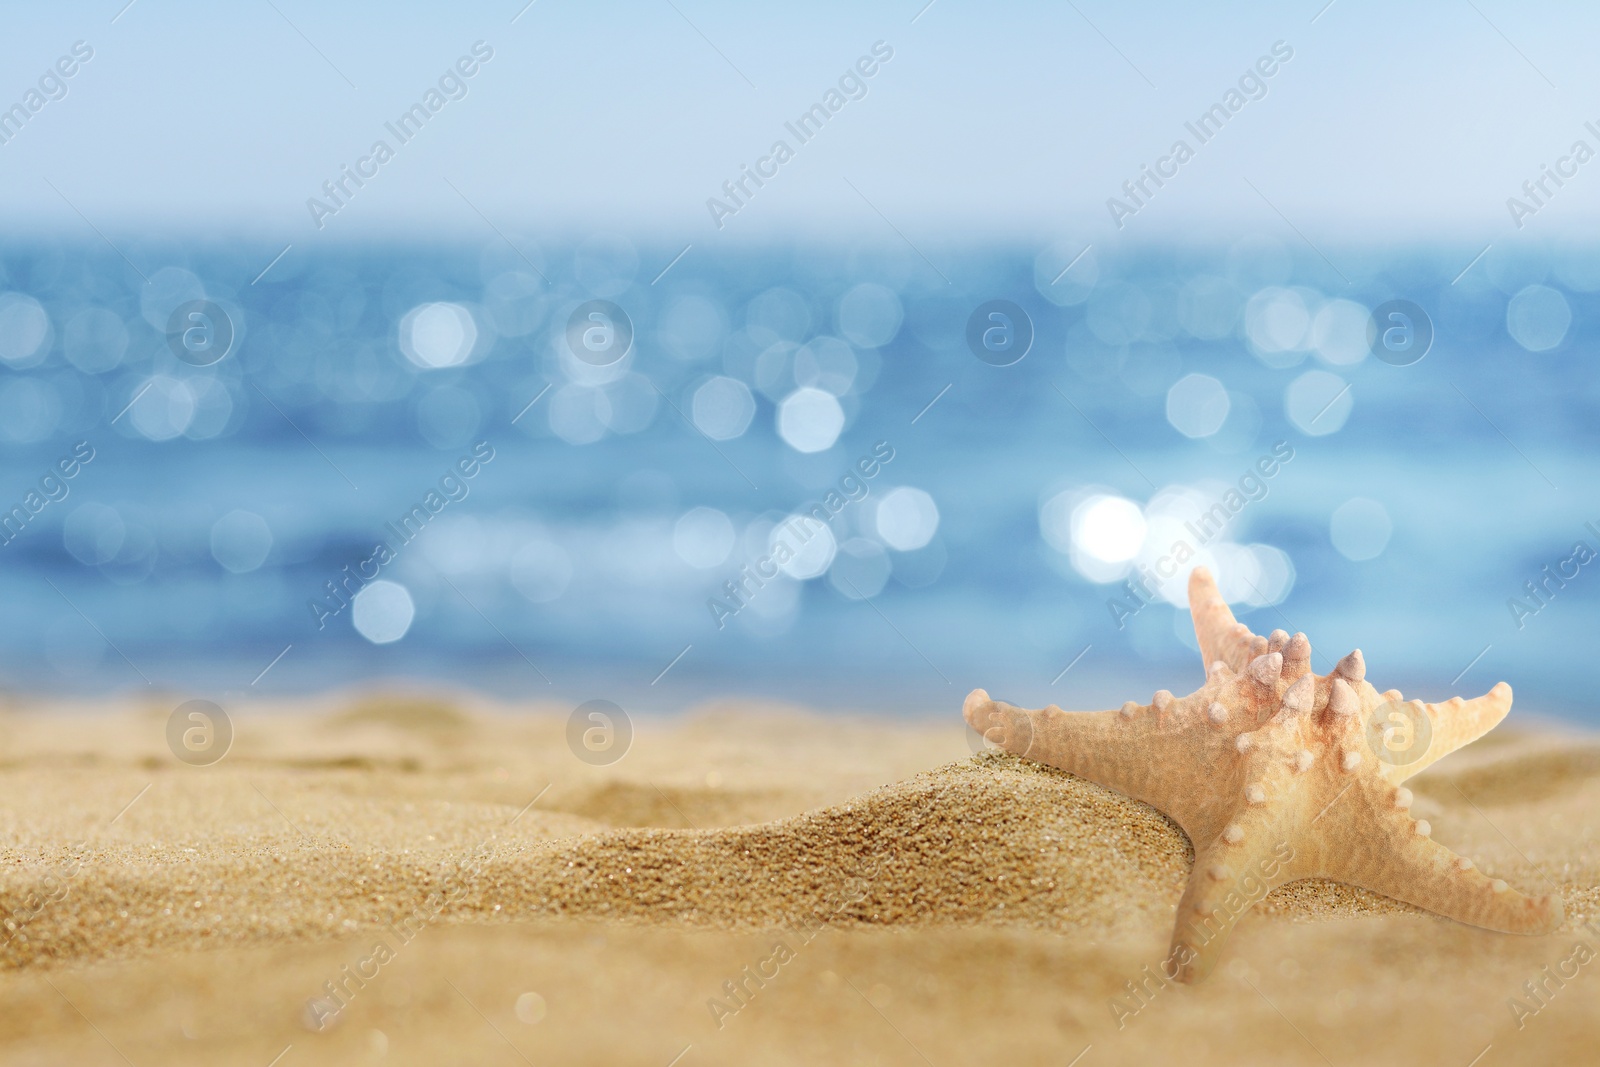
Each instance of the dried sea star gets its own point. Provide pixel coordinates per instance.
(1276, 774)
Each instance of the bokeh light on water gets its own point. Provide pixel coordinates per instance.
(797, 469)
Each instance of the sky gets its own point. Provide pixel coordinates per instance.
(1022, 121)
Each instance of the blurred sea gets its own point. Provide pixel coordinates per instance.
(581, 560)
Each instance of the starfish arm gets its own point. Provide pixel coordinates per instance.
(1251, 857)
(1221, 636)
(1392, 854)
(1455, 724)
(1133, 750)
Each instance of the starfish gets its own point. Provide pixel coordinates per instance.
(1276, 774)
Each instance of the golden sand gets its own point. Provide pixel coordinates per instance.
(404, 880)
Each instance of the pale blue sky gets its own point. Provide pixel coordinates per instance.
(1019, 119)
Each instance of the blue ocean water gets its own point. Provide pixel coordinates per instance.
(560, 523)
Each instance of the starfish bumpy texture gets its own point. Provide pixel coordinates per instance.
(1277, 774)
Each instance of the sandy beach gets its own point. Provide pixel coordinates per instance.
(421, 879)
